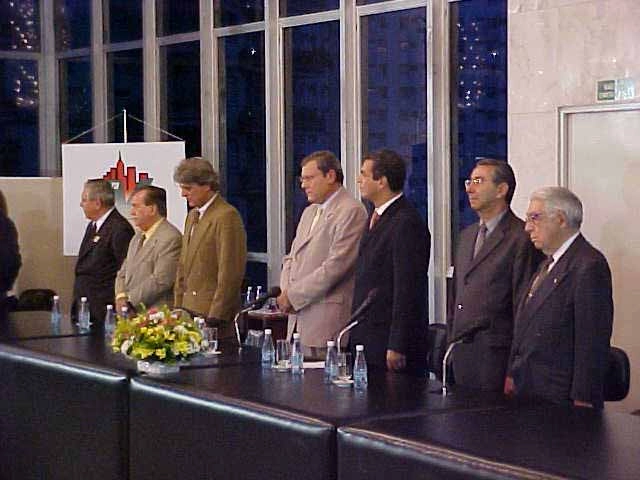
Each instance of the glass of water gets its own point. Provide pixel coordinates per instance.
(283, 355)
(345, 370)
(210, 340)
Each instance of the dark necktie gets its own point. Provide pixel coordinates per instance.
(195, 218)
(374, 219)
(540, 276)
(143, 238)
(482, 236)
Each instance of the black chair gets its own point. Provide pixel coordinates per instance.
(616, 384)
(35, 299)
(437, 346)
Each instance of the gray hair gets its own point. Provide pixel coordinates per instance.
(196, 170)
(563, 200)
(99, 189)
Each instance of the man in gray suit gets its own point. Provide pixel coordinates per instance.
(148, 273)
(317, 275)
(493, 263)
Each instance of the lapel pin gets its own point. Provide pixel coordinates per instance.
(96, 239)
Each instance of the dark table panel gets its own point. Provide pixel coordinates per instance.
(517, 443)
(61, 419)
(23, 325)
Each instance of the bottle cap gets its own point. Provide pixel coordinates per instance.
(359, 348)
(83, 299)
(125, 309)
(267, 331)
(331, 343)
(296, 336)
(56, 297)
(109, 307)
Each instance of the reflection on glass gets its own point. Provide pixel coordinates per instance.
(394, 98)
(242, 131)
(369, 2)
(75, 99)
(232, 12)
(19, 118)
(177, 17)
(478, 46)
(289, 8)
(20, 25)
(124, 73)
(73, 24)
(122, 20)
(312, 105)
(180, 94)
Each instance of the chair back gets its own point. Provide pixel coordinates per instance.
(35, 299)
(617, 378)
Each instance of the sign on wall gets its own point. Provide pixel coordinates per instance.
(125, 166)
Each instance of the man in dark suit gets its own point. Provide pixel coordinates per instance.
(493, 264)
(563, 325)
(393, 258)
(102, 251)
(10, 260)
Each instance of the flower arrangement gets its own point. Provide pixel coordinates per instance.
(157, 334)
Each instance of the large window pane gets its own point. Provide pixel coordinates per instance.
(73, 24)
(177, 16)
(18, 118)
(75, 99)
(256, 275)
(122, 20)
(180, 84)
(20, 25)
(232, 12)
(478, 67)
(312, 105)
(242, 131)
(124, 72)
(394, 98)
(289, 8)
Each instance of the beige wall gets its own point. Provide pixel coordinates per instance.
(35, 205)
(558, 50)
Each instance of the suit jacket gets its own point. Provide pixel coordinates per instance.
(487, 290)
(212, 263)
(98, 262)
(147, 274)
(318, 272)
(394, 258)
(562, 334)
(10, 260)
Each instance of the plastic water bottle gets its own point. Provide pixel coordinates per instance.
(258, 291)
(109, 323)
(56, 314)
(360, 379)
(124, 313)
(268, 352)
(84, 317)
(248, 297)
(331, 362)
(297, 357)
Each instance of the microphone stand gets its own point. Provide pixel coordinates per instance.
(445, 360)
(345, 330)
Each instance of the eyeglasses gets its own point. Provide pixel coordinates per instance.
(534, 217)
(306, 178)
(474, 181)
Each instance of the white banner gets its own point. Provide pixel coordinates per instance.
(125, 165)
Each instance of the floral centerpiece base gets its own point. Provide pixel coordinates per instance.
(159, 339)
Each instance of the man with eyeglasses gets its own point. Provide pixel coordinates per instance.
(563, 326)
(493, 263)
(317, 275)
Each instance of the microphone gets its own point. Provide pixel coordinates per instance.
(257, 303)
(355, 316)
(466, 336)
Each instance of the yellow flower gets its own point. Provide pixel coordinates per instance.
(161, 353)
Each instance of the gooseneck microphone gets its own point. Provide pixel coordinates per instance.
(256, 304)
(465, 336)
(357, 315)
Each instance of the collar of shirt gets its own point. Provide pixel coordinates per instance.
(204, 207)
(381, 209)
(152, 229)
(322, 206)
(493, 223)
(103, 218)
(563, 248)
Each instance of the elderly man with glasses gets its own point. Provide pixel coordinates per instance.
(493, 263)
(563, 326)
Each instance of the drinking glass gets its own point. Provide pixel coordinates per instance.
(344, 369)
(283, 355)
(210, 340)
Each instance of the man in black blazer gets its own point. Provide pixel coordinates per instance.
(10, 260)
(102, 250)
(493, 264)
(563, 325)
(393, 258)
